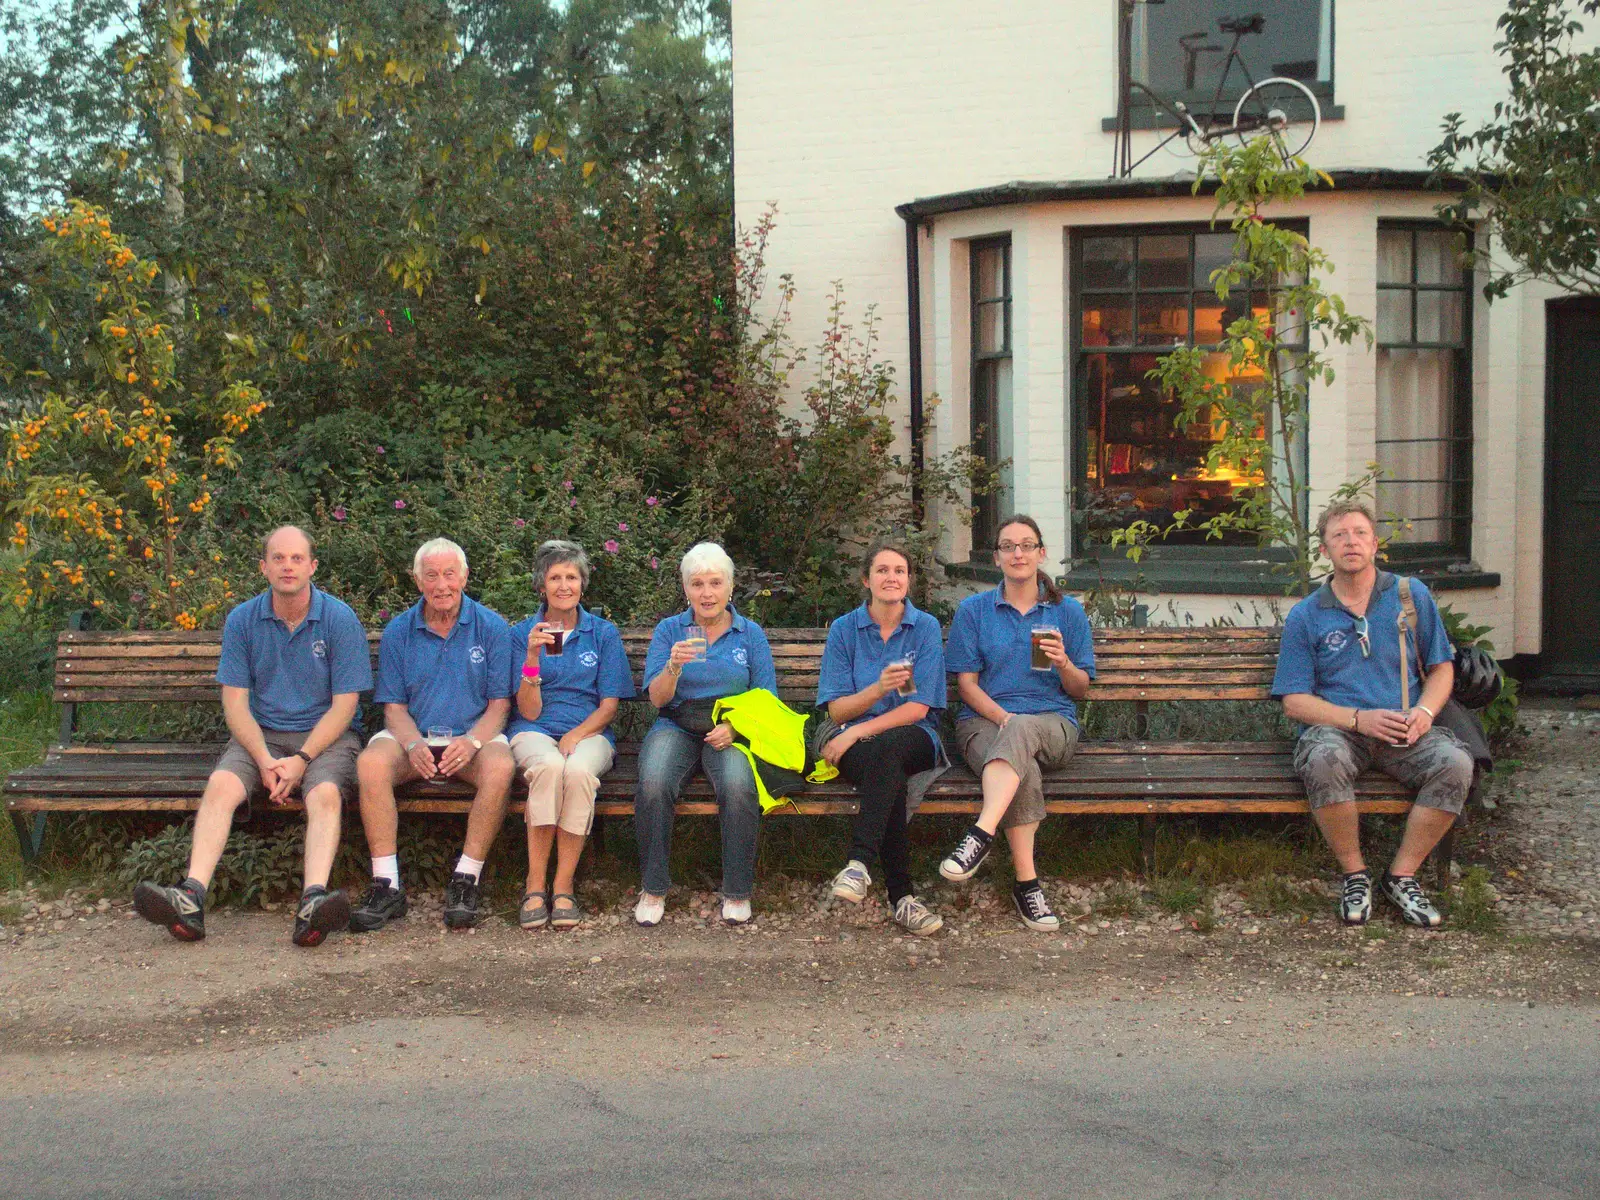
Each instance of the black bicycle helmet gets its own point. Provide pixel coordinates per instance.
(1478, 677)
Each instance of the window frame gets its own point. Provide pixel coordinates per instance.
(1201, 96)
(986, 509)
(1078, 410)
(1458, 546)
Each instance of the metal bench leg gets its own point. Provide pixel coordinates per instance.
(30, 833)
(1443, 854)
(1147, 844)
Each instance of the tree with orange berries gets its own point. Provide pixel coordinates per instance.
(108, 482)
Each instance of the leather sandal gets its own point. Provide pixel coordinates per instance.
(535, 913)
(565, 916)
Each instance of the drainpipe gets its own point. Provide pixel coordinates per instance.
(914, 340)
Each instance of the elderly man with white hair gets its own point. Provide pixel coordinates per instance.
(444, 670)
(695, 658)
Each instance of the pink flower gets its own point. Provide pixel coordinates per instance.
(339, 514)
(379, 449)
(518, 523)
(399, 503)
(651, 501)
(655, 563)
(572, 503)
(567, 483)
(383, 614)
(611, 546)
(622, 527)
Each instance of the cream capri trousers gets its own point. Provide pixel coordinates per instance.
(561, 790)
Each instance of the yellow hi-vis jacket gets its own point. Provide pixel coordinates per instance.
(773, 737)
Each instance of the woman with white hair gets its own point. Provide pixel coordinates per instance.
(695, 658)
(571, 670)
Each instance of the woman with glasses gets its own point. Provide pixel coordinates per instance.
(1022, 656)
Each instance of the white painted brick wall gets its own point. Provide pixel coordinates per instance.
(842, 111)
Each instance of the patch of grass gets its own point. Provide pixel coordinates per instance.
(1121, 899)
(27, 725)
(1469, 906)
(1179, 894)
(1273, 893)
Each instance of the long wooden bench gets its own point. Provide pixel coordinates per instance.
(1140, 777)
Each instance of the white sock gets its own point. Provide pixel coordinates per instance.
(470, 866)
(387, 867)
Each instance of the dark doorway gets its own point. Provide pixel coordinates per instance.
(1570, 655)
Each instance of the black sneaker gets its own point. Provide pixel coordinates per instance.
(320, 913)
(963, 862)
(461, 902)
(176, 909)
(1034, 909)
(1406, 894)
(383, 903)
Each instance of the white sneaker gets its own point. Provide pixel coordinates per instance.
(913, 916)
(650, 909)
(735, 912)
(852, 883)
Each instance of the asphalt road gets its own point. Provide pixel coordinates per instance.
(1514, 1114)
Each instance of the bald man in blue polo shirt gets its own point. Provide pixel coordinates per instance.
(1339, 674)
(294, 662)
(444, 671)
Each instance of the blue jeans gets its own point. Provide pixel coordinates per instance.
(667, 759)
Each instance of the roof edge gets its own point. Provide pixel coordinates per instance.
(1350, 179)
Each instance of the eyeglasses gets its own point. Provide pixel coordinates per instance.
(1362, 638)
(1013, 547)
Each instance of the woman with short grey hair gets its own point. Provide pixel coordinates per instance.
(568, 682)
(697, 657)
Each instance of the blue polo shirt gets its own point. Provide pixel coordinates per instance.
(293, 677)
(992, 638)
(591, 667)
(736, 662)
(1321, 654)
(856, 654)
(445, 680)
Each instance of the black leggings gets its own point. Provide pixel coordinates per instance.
(879, 769)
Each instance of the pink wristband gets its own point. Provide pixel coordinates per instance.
(530, 671)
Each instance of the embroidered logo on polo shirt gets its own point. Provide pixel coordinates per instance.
(476, 654)
(740, 657)
(1334, 640)
(589, 658)
(319, 649)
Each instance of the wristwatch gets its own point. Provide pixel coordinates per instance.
(307, 757)
(476, 744)
(413, 744)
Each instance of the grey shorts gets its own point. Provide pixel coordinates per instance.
(1328, 761)
(335, 765)
(1030, 743)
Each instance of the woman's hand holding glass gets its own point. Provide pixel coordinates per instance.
(1053, 648)
(894, 676)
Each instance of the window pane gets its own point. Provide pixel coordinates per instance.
(1211, 250)
(1416, 406)
(991, 272)
(1439, 317)
(1140, 462)
(1164, 261)
(1394, 256)
(1438, 256)
(1108, 320)
(1394, 316)
(1163, 320)
(1292, 42)
(1107, 263)
(992, 328)
(1211, 319)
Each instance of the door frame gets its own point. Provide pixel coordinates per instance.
(1555, 682)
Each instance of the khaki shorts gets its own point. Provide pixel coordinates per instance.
(561, 789)
(335, 765)
(384, 734)
(1029, 743)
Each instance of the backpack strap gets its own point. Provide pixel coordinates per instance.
(1408, 619)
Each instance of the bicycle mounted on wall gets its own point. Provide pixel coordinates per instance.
(1282, 108)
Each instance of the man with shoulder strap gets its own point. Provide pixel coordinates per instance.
(1349, 666)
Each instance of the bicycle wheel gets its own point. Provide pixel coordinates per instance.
(1283, 109)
